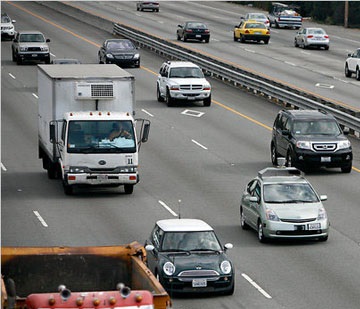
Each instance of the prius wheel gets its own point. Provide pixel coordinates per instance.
(262, 238)
(243, 224)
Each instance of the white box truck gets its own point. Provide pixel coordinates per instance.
(87, 131)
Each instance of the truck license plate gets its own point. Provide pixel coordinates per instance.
(102, 177)
(199, 283)
(314, 226)
(325, 159)
(34, 55)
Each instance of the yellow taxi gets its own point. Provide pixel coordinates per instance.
(251, 30)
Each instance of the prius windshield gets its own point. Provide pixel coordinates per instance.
(289, 193)
(101, 136)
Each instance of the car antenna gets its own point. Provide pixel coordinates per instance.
(179, 209)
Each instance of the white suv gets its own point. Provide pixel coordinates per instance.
(180, 80)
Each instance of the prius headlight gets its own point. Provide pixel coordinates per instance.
(169, 268)
(225, 267)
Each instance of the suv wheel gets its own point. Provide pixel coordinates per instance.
(207, 101)
(357, 73)
(13, 56)
(169, 99)
(289, 159)
(274, 155)
(18, 60)
(347, 169)
(347, 72)
(158, 94)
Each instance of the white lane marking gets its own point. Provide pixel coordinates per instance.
(255, 285)
(250, 50)
(324, 86)
(168, 208)
(291, 63)
(35, 95)
(342, 80)
(192, 113)
(342, 38)
(53, 55)
(305, 53)
(3, 167)
(36, 213)
(12, 76)
(146, 112)
(197, 143)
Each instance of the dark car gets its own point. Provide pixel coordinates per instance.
(187, 257)
(193, 30)
(122, 52)
(310, 139)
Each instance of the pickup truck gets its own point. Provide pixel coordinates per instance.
(352, 64)
(284, 16)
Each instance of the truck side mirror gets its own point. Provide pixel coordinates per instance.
(52, 133)
(145, 135)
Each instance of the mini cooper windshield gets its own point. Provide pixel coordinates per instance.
(190, 241)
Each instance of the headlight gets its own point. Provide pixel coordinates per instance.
(344, 144)
(225, 267)
(322, 214)
(169, 268)
(109, 56)
(136, 56)
(174, 87)
(303, 145)
(45, 49)
(77, 169)
(23, 49)
(271, 215)
(207, 87)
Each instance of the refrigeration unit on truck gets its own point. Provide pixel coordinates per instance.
(87, 132)
(284, 16)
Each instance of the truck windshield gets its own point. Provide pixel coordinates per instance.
(101, 137)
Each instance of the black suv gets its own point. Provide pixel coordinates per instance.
(310, 138)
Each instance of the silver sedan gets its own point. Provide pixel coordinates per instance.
(312, 37)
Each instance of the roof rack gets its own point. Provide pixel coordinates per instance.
(279, 172)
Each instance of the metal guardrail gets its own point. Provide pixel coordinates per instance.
(238, 77)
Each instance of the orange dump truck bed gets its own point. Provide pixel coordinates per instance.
(41, 270)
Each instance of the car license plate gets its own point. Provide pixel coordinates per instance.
(199, 283)
(325, 159)
(314, 226)
(257, 32)
(102, 177)
(198, 35)
(33, 55)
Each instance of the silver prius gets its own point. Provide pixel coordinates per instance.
(281, 203)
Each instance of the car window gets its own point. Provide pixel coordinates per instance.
(120, 45)
(289, 193)
(357, 53)
(255, 25)
(157, 236)
(187, 72)
(318, 127)
(196, 25)
(32, 38)
(5, 19)
(202, 240)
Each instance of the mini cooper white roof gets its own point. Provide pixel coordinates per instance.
(183, 225)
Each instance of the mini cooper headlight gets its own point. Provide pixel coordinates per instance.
(225, 267)
(169, 268)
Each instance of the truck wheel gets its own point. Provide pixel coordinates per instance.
(357, 73)
(68, 190)
(13, 56)
(207, 101)
(18, 60)
(47, 60)
(129, 189)
(52, 170)
(347, 71)
(158, 94)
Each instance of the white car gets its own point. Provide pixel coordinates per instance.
(258, 17)
(7, 27)
(312, 37)
(181, 80)
(352, 64)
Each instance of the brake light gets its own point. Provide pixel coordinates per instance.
(310, 36)
(188, 30)
(268, 32)
(326, 36)
(207, 31)
(207, 88)
(247, 31)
